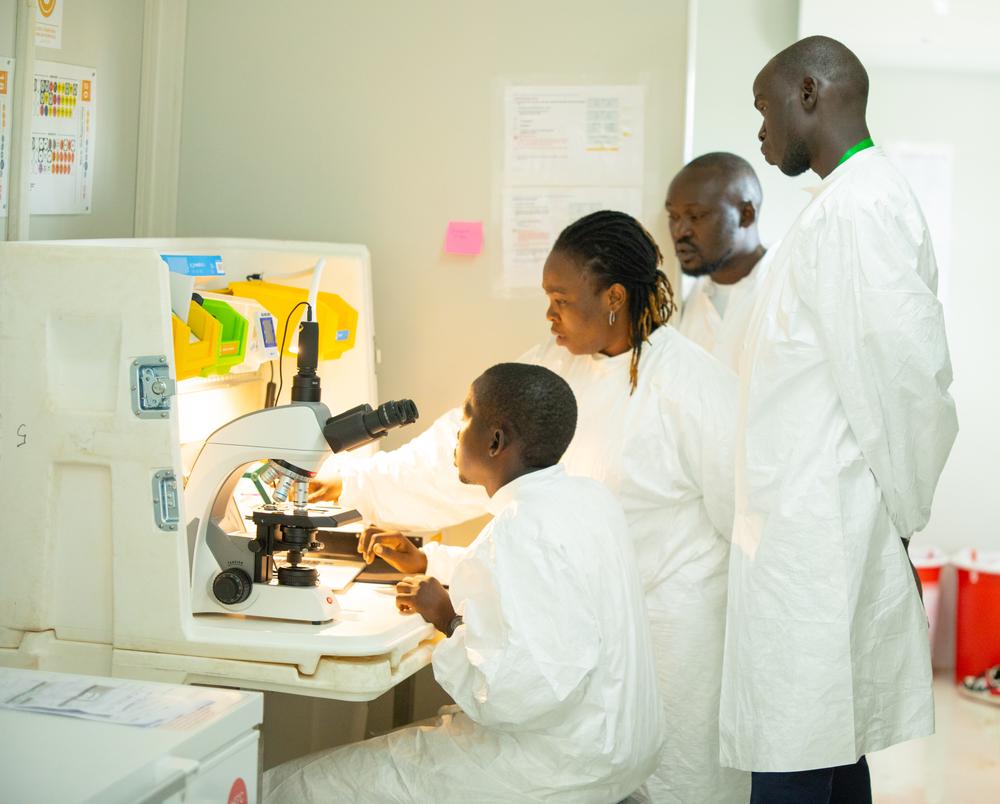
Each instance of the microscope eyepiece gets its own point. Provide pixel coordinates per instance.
(394, 414)
(358, 426)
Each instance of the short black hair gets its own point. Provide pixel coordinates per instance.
(828, 59)
(533, 404)
(738, 173)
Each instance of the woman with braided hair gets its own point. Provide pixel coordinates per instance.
(611, 249)
(655, 423)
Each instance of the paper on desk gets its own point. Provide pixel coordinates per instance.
(128, 703)
(336, 575)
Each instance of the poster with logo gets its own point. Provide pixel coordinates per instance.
(48, 23)
(6, 87)
(64, 119)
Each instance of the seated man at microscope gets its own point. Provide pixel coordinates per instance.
(547, 654)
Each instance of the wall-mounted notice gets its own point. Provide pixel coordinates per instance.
(568, 150)
(574, 135)
(48, 23)
(534, 216)
(63, 130)
(6, 85)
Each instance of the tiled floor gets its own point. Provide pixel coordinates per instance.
(959, 764)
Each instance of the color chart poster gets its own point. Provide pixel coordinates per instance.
(62, 139)
(6, 87)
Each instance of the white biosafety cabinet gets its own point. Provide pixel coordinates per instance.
(97, 444)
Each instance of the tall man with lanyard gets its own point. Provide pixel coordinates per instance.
(844, 425)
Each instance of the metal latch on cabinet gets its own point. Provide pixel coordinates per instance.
(151, 387)
(166, 503)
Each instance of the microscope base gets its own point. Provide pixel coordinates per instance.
(310, 604)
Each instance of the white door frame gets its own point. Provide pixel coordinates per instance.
(160, 108)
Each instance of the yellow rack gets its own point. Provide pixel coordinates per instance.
(338, 321)
(192, 358)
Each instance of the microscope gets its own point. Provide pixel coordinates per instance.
(235, 572)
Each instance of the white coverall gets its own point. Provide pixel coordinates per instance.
(845, 425)
(723, 334)
(666, 451)
(552, 669)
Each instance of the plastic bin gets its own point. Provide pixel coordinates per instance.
(929, 561)
(192, 357)
(233, 342)
(261, 340)
(977, 627)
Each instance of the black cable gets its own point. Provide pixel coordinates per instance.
(281, 352)
(269, 388)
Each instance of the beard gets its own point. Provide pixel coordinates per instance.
(796, 159)
(705, 269)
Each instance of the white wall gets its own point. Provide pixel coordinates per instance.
(107, 35)
(956, 109)
(944, 35)
(376, 123)
(733, 41)
(963, 111)
(8, 16)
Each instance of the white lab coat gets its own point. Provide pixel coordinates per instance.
(845, 424)
(552, 669)
(666, 451)
(723, 335)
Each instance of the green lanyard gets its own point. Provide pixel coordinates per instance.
(865, 143)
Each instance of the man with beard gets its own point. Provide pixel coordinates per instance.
(844, 425)
(713, 204)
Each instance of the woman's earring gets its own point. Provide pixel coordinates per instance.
(611, 318)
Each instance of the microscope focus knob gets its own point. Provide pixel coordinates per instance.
(232, 586)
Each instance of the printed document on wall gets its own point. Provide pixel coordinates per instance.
(63, 130)
(534, 216)
(6, 86)
(574, 135)
(568, 151)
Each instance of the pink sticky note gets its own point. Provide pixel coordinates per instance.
(464, 237)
